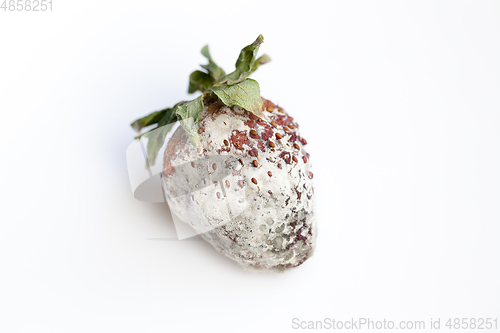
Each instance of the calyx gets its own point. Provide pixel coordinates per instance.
(234, 88)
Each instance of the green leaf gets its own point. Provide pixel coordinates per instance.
(264, 59)
(245, 94)
(199, 80)
(150, 119)
(246, 63)
(156, 137)
(169, 117)
(188, 114)
(214, 71)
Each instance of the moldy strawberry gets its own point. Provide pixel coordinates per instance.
(237, 169)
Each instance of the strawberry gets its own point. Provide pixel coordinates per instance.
(237, 169)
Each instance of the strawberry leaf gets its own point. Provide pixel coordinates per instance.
(214, 71)
(264, 59)
(246, 64)
(245, 94)
(150, 119)
(188, 114)
(156, 137)
(199, 80)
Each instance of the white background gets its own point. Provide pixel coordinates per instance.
(399, 101)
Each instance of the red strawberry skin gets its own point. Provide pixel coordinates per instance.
(261, 214)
